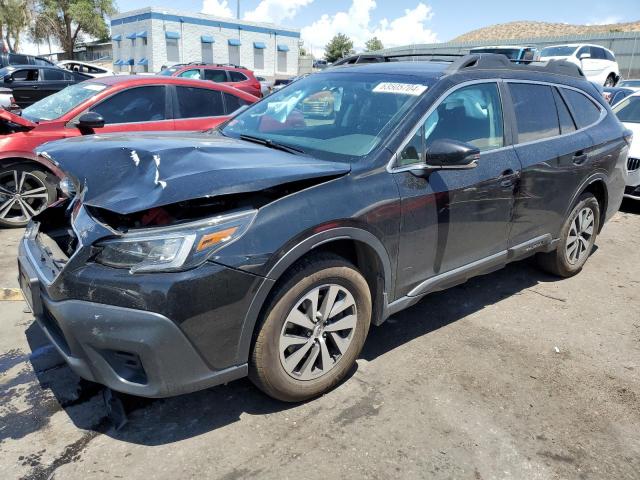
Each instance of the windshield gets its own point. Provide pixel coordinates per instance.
(511, 53)
(561, 51)
(331, 115)
(56, 105)
(630, 83)
(628, 110)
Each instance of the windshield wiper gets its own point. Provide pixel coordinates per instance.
(271, 144)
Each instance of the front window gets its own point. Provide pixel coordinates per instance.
(561, 51)
(332, 115)
(60, 103)
(470, 114)
(628, 110)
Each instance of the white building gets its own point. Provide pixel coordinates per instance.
(147, 39)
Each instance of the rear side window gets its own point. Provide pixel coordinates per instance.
(237, 76)
(535, 108)
(233, 103)
(585, 112)
(199, 102)
(609, 56)
(598, 53)
(564, 116)
(142, 104)
(218, 76)
(54, 74)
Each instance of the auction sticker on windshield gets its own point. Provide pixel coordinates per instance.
(400, 88)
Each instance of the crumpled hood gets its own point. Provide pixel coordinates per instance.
(127, 174)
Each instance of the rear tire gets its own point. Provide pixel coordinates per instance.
(312, 330)
(25, 191)
(577, 237)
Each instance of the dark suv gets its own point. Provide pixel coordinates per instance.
(269, 246)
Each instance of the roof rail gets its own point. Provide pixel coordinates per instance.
(493, 61)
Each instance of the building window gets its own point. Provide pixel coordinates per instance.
(144, 41)
(282, 61)
(258, 59)
(207, 53)
(234, 54)
(133, 43)
(173, 50)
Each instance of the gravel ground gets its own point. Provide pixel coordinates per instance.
(513, 375)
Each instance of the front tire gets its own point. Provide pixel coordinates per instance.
(577, 237)
(312, 330)
(25, 191)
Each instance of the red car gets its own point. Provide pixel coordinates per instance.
(236, 77)
(104, 105)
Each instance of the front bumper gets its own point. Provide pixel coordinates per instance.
(632, 192)
(153, 335)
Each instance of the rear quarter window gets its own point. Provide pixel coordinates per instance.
(237, 76)
(585, 111)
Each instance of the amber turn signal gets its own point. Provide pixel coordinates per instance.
(212, 239)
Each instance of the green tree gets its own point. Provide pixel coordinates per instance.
(68, 21)
(303, 52)
(373, 44)
(15, 17)
(338, 47)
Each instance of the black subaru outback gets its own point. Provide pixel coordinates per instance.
(268, 246)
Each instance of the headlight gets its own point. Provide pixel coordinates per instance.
(173, 248)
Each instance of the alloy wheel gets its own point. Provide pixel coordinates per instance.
(580, 234)
(22, 196)
(317, 332)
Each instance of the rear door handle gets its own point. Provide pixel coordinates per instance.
(580, 157)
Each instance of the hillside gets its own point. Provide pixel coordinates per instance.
(524, 29)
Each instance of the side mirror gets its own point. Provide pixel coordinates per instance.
(8, 78)
(584, 56)
(448, 154)
(90, 121)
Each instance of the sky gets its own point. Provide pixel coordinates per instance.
(400, 22)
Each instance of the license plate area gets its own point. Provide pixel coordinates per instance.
(30, 286)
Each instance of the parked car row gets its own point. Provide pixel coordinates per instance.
(270, 245)
(108, 104)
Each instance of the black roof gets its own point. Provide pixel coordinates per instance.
(31, 65)
(438, 67)
(433, 69)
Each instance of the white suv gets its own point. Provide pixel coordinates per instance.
(598, 64)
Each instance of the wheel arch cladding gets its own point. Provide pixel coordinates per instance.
(358, 246)
(599, 190)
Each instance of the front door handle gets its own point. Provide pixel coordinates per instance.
(580, 157)
(507, 178)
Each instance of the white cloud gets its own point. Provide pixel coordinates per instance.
(218, 8)
(276, 11)
(356, 24)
